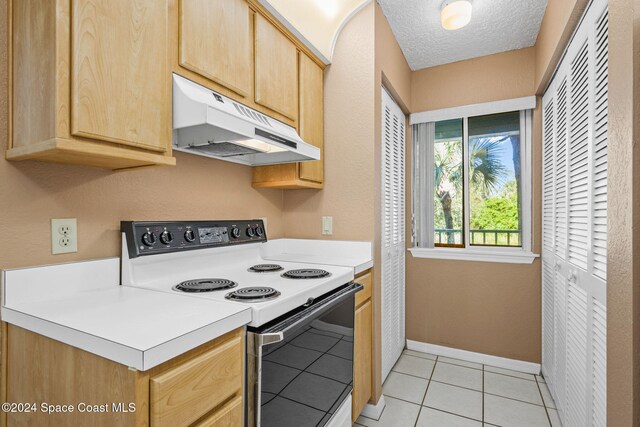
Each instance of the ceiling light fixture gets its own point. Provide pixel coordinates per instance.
(455, 14)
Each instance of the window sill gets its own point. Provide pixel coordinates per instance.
(484, 255)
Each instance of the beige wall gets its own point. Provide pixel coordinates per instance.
(477, 306)
(349, 134)
(33, 193)
(489, 78)
(560, 20)
(623, 271)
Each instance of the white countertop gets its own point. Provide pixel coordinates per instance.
(81, 304)
(356, 255)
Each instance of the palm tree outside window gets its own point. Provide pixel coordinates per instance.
(477, 181)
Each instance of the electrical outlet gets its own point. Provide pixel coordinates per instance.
(327, 225)
(64, 236)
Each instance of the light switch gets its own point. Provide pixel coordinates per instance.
(327, 225)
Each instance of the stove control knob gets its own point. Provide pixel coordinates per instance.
(259, 231)
(250, 232)
(189, 235)
(149, 238)
(166, 237)
(235, 232)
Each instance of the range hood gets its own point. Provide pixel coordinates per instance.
(209, 124)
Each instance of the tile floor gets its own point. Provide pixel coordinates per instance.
(424, 390)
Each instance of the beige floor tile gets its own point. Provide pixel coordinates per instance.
(456, 400)
(540, 379)
(510, 372)
(458, 375)
(420, 354)
(512, 413)
(434, 418)
(405, 387)
(397, 413)
(413, 365)
(546, 396)
(460, 362)
(511, 387)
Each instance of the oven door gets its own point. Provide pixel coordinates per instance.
(300, 367)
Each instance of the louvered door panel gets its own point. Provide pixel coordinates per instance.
(599, 235)
(574, 211)
(560, 193)
(557, 381)
(599, 364)
(579, 159)
(393, 230)
(576, 381)
(548, 171)
(548, 284)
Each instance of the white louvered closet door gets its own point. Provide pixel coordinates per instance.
(574, 211)
(393, 232)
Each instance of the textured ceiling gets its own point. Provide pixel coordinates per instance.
(496, 26)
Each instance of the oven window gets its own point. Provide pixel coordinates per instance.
(306, 377)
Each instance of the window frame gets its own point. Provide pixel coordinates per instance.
(422, 224)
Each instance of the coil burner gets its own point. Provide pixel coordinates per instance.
(306, 273)
(205, 285)
(265, 268)
(256, 294)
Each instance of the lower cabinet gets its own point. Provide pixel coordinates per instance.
(186, 393)
(363, 346)
(202, 387)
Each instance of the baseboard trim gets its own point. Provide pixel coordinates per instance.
(374, 411)
(470, 356)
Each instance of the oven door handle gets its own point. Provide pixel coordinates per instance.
(270, 338)
(279, 332)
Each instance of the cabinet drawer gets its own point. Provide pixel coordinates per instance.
(365, 294)
(182, 395)
(230, 415)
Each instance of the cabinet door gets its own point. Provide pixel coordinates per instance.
(119, 78)
(184, 394)
(311, 120)
(276, 69)
(362, 359)
(215, 41)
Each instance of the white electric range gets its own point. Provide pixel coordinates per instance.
(300, 338)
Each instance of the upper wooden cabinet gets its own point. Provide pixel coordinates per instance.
(90, 80)
(216, 41)
(311, 129)
(311, 121)
(119, 72)
(276, 69)
(89, 83)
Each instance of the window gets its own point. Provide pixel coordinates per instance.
(472, 187)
